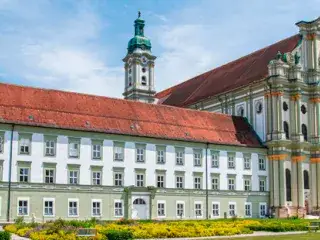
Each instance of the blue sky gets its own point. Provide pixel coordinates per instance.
(78, 45)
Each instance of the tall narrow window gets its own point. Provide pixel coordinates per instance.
(232, 209)
(215, 183)
(96, 208)
(160, 181)
(160, 156)
(248, 211)
(215, 210)
(74, 149)
(197, 182)
(140, 180)
(180, 210)
(24, 175)
(140, 155)
(247, 163)
(231, 184)
(73, 177)
(23, 208)
(118, 179)
(288, 184)
(286, 129)
(24, 146)
(96, 151)
(231, 162)
(161, 209)
(179, 157)
(48, 208)
(118, 152)
(118, 209)
(304, 132)
(73, 208)
(197, 159)
(215, 160)
(198, 209)
(179, 181)
(306, 179)
(96, 178)
(49, 176)
(143, 80)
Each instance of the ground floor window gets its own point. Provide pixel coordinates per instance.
(48, 206)
(23, 207)
(215, 210)
(161, 209)
(198, 209)
(118, 209)
(232, 209)
(247, 209)
(180, 210)
(263, 209)
(96, 208)
(73, 208)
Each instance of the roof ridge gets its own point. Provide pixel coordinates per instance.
(228, 63)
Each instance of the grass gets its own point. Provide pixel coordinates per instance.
(306, 236)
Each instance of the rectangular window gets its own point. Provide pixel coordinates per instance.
(160, 181)
(262, 185)
(118, 153)
(140, 180)
(23, 207)
(161, 209)
(247, 185)
(215, 183)
(140, 155)
(262, 209)
(247, 209)
(96, 178)
(197, 159)
(247, 163)
(24, 175)
(232, 209)
(231, 184)
(160, 156)
(179, 157)
(118, 209)
(96, 151)
(73, 176)
(197, 182)
(179, 181)
(198, 209)
(180, 210)
(215, 161)
(48, 206)
(231, 162)
(50, 148)
(73, 208)
(49, 176)
(262, 164)
(96, 208)
(24, 146)
(118, 179)
(74, 149)
(215, 210)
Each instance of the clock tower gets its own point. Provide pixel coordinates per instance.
(139, 66)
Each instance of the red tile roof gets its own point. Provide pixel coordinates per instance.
(67, 110)
(239, 73)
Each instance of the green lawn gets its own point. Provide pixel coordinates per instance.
(307, 236)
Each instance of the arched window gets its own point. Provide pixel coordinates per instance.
(286, 129)
(285, 106)
(304, 131)
(240, 111)
(139, 201)
(288, 184)
(306, 179)
(144, 80)
(259, 107)
(130, 81)
(303, 109)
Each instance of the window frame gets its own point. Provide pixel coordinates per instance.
(27, 199)
(95, 151)
(197, 182)
(44, 207)
(235, 209)
(198, 203)
(262, 164)
(139, 182)
(215, 158)
(197, 158)
(120, 180)
(179, 159)
(218, 204)
(53, 177)
(78, 176)
(178, 182)
(161, 182)
(92, 207)
(233, 166)
(74, 200)
(118, 151)
(182, 203)
(246, 185)
(22, 139)
(160, 149)
(53, 148)
(245, 209)
(264, 185)
(164, 209)
(95, 179)
(246, 163)
(74, 142)
(115, 208)
(28, 175)
(266, 209)
(233, 184)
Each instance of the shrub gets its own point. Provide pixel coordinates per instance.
(5, 236)
(11, 228)
(119, 235)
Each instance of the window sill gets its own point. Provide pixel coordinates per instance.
(118, 160)
(162, 163)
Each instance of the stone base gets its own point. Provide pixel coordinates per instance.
(281, 212)
(285, 212)
(301, 211)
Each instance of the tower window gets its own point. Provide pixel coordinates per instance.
(144, 70)
(240, 111)
(130, 81)
(286, 129)
(303, 109)
(304, 131)
(144, 80)
(130, 70)
(259, 107)
(285, 106)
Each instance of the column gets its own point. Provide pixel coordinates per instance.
(313, 185)
(300, 183)
(276, 184)
(294, 183)
(271, 183)
(282, 186)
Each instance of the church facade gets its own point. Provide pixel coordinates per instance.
(76, 156)
(277, 89)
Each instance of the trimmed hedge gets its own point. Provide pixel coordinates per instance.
(5, 236)
(119, 235)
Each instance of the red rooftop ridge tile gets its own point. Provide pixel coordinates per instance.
(67, 110)
(239, 73)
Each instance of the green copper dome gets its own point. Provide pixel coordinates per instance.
(139, 40)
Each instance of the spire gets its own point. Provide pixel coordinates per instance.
(139, 14)
(139, 26)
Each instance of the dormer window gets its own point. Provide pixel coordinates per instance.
(144, 81)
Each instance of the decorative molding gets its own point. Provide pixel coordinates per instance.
(298, 158)
(277, 157)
